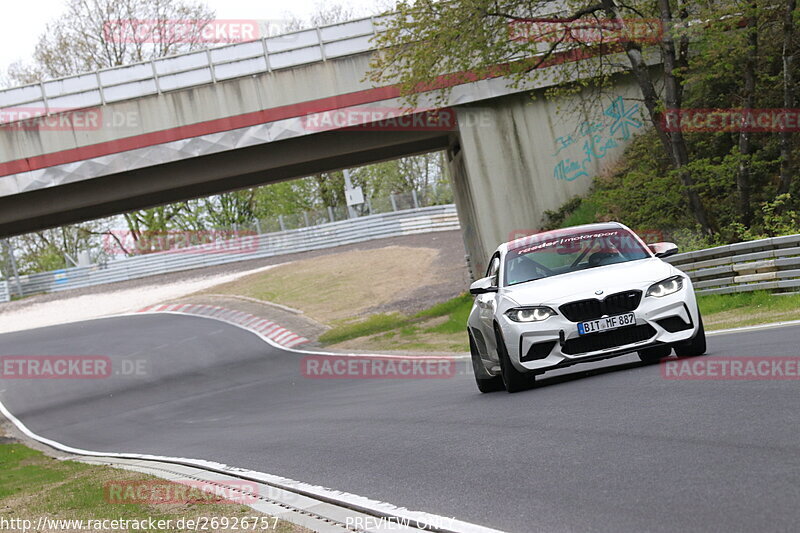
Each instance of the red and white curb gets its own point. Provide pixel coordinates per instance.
(266, 328)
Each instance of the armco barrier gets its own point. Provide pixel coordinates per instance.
(4, 295)
(408, 222)
(768, 264)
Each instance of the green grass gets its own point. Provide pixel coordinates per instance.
(369, 326)
(457, 311)
(722, 311)
(396, 325)
(718, 303)
(33, 485)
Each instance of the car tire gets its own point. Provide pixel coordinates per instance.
(655, 354)
(513, 379)
(695, 346)
(486, 383)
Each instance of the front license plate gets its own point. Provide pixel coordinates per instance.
(603, 324)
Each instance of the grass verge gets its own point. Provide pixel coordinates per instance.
(34, 485)
(439, 328)
(721, 311)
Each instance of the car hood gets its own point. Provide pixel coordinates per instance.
(583, 284)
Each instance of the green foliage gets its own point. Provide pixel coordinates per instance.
(575, 212)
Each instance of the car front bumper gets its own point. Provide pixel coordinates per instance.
(555, 342)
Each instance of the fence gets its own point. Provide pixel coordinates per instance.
(438, 194)
(4, 294)
(768, 264)
(408, 222)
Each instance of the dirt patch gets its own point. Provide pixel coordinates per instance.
(349, 284)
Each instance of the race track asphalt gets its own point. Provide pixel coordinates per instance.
(609, 446)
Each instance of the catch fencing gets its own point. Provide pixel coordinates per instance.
(767, 264)
(244, 248)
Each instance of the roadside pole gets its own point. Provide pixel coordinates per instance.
(348, 186)
(10, 250)
(354, 195)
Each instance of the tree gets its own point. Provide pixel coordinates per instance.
(324, 13)
(789, 51)
(96, 34)
(465, 39)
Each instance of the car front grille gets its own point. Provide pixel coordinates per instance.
(613, 304)
(608, 339)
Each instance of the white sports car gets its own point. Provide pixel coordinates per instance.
(578, 294)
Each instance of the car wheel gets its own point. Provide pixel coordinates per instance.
(654, 355)
(485, 381)
(694, 347)
(513, 379)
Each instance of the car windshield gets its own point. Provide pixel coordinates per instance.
(538, 258)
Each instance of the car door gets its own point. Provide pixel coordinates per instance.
(487, 304)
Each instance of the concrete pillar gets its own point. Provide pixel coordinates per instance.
(515, 158)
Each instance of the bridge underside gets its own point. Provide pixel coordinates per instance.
(206, 175)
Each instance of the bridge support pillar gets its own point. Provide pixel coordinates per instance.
(513, 158)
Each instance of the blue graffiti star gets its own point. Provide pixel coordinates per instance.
(623, 118)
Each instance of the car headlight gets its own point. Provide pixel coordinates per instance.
(530, 314)
(668, 286)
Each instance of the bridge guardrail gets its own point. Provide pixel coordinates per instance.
(771, 264)
(408, 222)
(190, 69)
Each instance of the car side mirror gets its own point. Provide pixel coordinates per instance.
(663, 249)
(482, 286)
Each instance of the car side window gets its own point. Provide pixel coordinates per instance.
(494, 268)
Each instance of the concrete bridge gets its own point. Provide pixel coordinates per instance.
(283, 107)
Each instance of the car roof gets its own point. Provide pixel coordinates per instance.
(561, 232)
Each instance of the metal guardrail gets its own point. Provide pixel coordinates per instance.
(4, 294)
(189, 69)
(768, 264)
(408, 222)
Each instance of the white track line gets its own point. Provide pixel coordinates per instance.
(772, 325)
(355, 502)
